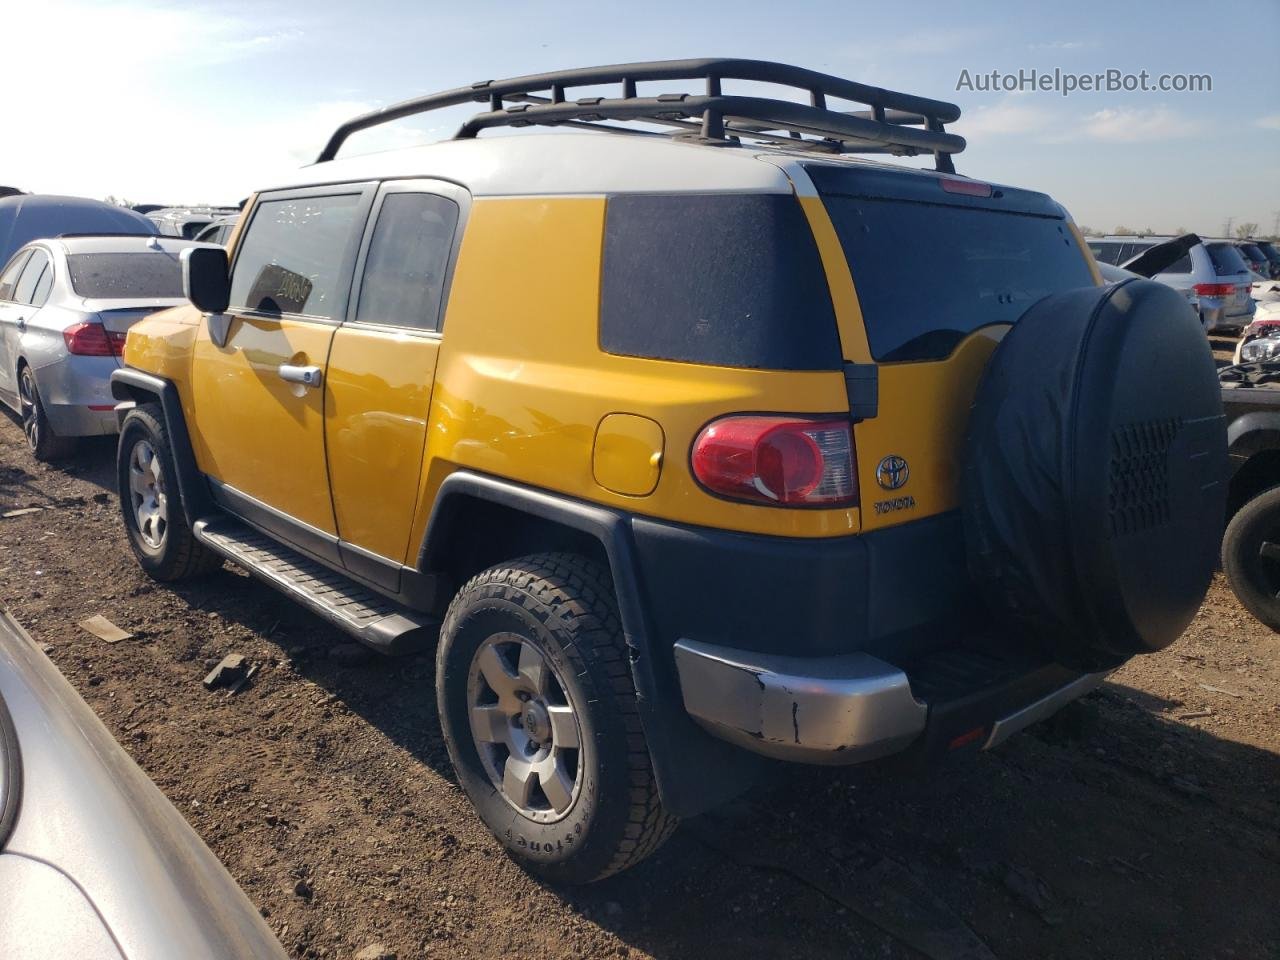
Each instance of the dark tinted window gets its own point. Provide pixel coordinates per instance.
(1105, 252)
(1226, 259)
(36, 268)
(732, 281)
(1269, 251)
(408, 256)
(9, 279)
(1181, 265)
(967, 267)
(291, 258)
(1251, 252)
(119, 276)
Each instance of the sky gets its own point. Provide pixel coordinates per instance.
(201, 102)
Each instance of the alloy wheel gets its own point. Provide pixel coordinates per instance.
(525, 727)
(147, 494)
(27, 398)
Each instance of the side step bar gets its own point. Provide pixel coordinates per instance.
(371, 618)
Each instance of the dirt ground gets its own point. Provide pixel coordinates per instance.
(1143, 824)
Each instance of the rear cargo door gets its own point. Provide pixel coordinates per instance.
(940, 269)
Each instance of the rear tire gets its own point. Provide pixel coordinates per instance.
(541, 721)
(1251, 556)
(158, 529)
(44, 444)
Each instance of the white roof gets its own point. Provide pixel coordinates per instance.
(568, 163)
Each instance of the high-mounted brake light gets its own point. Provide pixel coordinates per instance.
(93, 340)
(778, 460)
(970, 188)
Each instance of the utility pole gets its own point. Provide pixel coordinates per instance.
(1226, 227)
(1275, 224)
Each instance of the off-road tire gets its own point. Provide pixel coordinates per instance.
(565, 607)
(45, 445)
(179, 556)
(1255, 579)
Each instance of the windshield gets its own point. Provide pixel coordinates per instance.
(929, 274)
(120, 276)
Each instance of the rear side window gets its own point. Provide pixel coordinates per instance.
(408, 256)
(929, 274)
(121, 276)
(9, 279)
(726, 280)
(291, 258)
(1226, 259)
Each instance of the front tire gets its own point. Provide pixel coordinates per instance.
(540, 718)
(158, 529)
(44, 444)
(1251, 556)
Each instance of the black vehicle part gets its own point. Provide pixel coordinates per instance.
(1251, 556)
(888, 127)
(1094, 486)
(1158, 258)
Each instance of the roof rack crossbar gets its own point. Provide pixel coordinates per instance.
(889, 126)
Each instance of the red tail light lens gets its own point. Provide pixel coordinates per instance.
(1216, 289)
(968, 188)
(93, 340)
(778, 460)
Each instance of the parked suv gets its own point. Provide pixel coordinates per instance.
(653, 438)
(1213, 274)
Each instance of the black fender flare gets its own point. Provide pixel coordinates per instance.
(132, 387)
(694, 771)
(1252, 433)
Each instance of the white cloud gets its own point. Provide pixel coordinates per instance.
(943, 40)
(1269, 122)
(1012, 116)
(1062, 45)
(1137, 125)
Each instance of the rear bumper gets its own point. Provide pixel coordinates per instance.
(853, 708)
(70, 387)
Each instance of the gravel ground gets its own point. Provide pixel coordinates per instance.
(1142, 823)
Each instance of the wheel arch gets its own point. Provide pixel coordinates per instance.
(133, 387)
(694, 771)
(1253, 441)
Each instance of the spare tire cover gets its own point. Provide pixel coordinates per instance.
(1094, 482)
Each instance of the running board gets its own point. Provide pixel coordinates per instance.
(371, 618)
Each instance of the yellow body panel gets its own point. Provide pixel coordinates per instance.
(628, 454)
(924, 409)
(253, 430)
(378, 395)
(522, 382)
(853, 332)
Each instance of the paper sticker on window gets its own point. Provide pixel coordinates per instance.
(278, 289)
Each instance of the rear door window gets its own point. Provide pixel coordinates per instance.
(929, 272)
(1226, 259)
(408, 257)
(726, 280)
(294, 256)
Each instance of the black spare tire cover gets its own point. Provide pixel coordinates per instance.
(1094, 484)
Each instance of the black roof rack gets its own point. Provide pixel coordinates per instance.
(896, 123)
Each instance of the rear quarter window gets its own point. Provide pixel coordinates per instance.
(725, 280)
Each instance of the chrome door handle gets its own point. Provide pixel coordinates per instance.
(307, 376)
(22, 324)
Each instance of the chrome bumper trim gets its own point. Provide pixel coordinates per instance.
(1006, 727)
(827, 710)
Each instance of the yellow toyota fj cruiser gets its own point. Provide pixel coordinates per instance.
(693, 440)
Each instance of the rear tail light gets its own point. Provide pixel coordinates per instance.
(1215, 289)
(93, 340)
(778, 460)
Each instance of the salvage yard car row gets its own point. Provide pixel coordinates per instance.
(669, 505)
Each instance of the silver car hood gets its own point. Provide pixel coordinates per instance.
(97, 855)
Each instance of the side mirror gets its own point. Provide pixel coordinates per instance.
(205, 279)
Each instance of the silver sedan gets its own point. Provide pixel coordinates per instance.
(65, 307)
